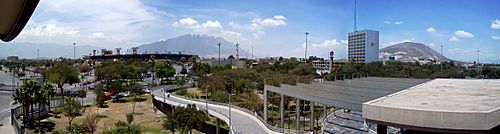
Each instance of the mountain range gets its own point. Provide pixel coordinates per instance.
(202, 45)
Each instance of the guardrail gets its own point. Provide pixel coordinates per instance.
(270, 127)
(203, 108)
(16, 113)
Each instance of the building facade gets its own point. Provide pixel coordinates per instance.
(363, 46)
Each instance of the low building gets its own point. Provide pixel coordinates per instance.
(156, 56)
(225, 62)
(12, 58)
(321, 66)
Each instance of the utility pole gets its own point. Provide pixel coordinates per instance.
(237, 54)
(442, 56)
(252, 52)
(477, 66)
(305, 55)
(74, 50)
(219, 51)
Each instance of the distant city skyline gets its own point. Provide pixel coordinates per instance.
(274, 28)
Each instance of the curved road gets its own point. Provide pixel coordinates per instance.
(242, 122)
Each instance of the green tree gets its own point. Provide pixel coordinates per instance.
(100, 96)
(164, 70)
(183, 70)
(61, 74)
(189, 118)
(249, 100)
(170, 123)
(71, 108)
(135, 89)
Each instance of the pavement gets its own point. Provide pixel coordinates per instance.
(242, 122)
(345, 122)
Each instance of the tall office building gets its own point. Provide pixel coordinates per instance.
(363, 46)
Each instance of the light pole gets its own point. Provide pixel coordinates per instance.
(218, 45)
(477, 66)
(74, 50)
(230, 95)
(305, 55)
(442, 56)
(206, 98)
(237, 54)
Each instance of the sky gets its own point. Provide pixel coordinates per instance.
(273, 27)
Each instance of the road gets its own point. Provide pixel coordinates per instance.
(5, 99)
(242, 122)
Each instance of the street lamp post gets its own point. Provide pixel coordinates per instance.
(218, 45)
(74, 50)
(305, 55)
(237, 54)
(442, 56)
(206, 98)
(230, 95)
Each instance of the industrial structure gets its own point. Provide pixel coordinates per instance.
(108, 55)
(413, 105)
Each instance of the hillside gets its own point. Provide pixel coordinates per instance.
(201, 45)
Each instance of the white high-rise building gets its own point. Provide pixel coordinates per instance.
(363, 46)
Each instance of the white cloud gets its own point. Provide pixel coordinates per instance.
(398, 22)
(323, 49)
(210, 27)
(51, 30)
(387, 22)
(390, 43)
(454, 39)
(186, 22)
(98, 35)
(495, 24)
(431, 44)
(431, 30)
(64, 35)
(122, 21)
(331, 43)
(495, 37)
(278, 20)
(463, 34)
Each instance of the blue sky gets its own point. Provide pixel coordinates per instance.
(273, 27)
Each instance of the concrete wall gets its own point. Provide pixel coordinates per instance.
(371, 51)
(433, 119)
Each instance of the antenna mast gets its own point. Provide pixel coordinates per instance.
(355, 28)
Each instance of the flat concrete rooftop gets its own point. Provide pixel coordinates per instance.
(453, 104)
(447, 95)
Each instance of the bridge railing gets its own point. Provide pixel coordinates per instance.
(268, 126)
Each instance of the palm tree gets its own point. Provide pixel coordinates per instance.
(25, 96)
(41, 99)
(49, 91)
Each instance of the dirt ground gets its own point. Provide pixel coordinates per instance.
(194, 90)
(144, 115)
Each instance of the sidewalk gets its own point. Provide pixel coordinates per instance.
(7, 128)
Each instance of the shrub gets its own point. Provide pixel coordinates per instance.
(57, 131)
(182, 92)
(76, 128)
(90, 123)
